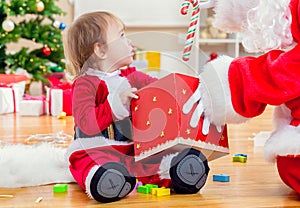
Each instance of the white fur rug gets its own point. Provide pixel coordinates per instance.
(24, 165)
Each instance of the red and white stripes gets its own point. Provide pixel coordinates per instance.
(192, 26)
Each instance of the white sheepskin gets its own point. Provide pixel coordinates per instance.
(216, 97)
(24, 165)
(284, 141)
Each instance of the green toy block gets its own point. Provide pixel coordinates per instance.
(60, 188)
(151, 186)
(143, 189)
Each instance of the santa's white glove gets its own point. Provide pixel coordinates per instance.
(213, 98)
(187, 107)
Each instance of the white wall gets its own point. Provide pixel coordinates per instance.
(138, 13)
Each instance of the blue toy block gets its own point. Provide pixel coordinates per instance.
(240, 154)
(221, 178)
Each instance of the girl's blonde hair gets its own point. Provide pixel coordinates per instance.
(87, 30)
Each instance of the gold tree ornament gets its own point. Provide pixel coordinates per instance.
(40, 6)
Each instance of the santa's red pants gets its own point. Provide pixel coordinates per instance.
(289, 171)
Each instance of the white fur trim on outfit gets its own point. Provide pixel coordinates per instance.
(284, 141)
(165, 166)
(117, 107)
(89, 179)
(116, 85)
(282, 116)
(24, 165)
(215, 92)
(92, 142)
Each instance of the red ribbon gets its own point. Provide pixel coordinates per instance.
(57, 84)
(50, 102)
(13, 93)
(28, 97)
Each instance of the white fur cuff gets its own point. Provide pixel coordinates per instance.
(118, 109)
(165, 166)
(215, 93)
(285, 141)
(89, 179)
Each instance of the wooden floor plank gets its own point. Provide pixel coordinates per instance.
(252, 184)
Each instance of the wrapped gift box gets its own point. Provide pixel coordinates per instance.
(159, 124)
(33, 106)
(16, 81)
(59, 98)
(9, 100)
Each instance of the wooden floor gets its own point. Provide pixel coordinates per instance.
(253, 184)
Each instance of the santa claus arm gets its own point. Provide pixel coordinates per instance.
(272, 78)
(232, 90)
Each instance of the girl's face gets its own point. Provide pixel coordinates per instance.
(120, 50)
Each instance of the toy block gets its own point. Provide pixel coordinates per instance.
(151, 186)
(153, 191)
(240, 154)
(143, 189)
(60, 188)
(239, 159)
(62, 115)
(162, 192)
(221, 178)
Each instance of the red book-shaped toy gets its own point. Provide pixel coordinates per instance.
(160, 125)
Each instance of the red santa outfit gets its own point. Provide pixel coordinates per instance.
(234, 90)
(96, 105)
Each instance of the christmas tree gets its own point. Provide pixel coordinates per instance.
(33, 20)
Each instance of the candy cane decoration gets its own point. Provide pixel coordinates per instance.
(192, 27)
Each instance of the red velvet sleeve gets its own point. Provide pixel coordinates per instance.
(91, 110)
(273, 78)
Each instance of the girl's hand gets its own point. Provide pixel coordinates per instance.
(127, 95)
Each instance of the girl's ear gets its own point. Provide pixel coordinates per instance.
(100, 51)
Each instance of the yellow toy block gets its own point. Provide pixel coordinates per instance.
(162, 192)
(239, 159)
(154, 191)
(62, 115)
